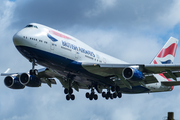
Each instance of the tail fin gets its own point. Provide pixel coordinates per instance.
(167, 53)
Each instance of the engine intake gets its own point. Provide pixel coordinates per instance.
(132, 74)
(13, 82)
(29, 80)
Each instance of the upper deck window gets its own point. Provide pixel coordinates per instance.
(32, 26)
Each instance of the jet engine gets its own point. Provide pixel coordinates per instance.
(13, 82)
(29, 80)
(132, 74)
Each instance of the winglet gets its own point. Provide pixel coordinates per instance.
(7, 71)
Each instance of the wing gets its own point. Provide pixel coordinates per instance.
(116, 69)
(105, 70)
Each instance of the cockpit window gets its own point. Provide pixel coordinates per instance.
(32, 26)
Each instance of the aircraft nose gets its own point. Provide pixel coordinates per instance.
(17, 38)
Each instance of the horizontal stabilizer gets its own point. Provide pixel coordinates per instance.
(171, 83)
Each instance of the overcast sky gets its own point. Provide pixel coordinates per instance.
(133, 31)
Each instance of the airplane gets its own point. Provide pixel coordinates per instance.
(78, 66)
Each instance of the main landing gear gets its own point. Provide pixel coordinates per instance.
(92, 95)
(69, 93)
(33, 71)
(110, 95)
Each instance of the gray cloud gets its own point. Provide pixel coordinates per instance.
(61, 13)
(92, 14)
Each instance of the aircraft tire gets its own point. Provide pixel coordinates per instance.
(66, 91)
(31, 72)
(35, 72)
(103, 94)
(90, 97)
(119, 95)
(72, 97)
(87, 95)
(114, 95)
(95, 97)
(107, 97)
(67, 97)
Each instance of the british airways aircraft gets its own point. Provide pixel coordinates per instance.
(78, 66)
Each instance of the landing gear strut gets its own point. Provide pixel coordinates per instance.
(33, 71)
(69, 91)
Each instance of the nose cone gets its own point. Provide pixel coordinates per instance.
(17, 39)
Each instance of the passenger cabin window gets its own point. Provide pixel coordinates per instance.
(31, 26)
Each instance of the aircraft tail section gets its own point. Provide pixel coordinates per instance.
(167, 53)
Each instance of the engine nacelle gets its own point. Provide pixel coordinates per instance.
(132, 74)
(29, 80)
(13, 82)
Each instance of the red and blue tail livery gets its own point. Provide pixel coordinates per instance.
(167, 53)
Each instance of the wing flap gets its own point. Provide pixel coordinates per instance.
(171, 83)
(159, 68)
(175, 73)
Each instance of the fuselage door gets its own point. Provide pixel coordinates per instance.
(36, 41)
(77, 56)
(52, 46)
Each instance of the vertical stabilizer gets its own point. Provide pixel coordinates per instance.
(167, 53)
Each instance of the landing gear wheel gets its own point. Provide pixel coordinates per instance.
(119, 95)
(66, 91)
(114, 95)
(107, 97)
(67, 97)
(72, 97)
(87, 95)
(103, 94)
(95, 97)
(90, 97)
(33, 72)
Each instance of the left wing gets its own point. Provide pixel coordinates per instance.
(131, 74)
(116, 69)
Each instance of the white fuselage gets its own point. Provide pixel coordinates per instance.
(52, 41)
(66, 46)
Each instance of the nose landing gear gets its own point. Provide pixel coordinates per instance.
(33, 71)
